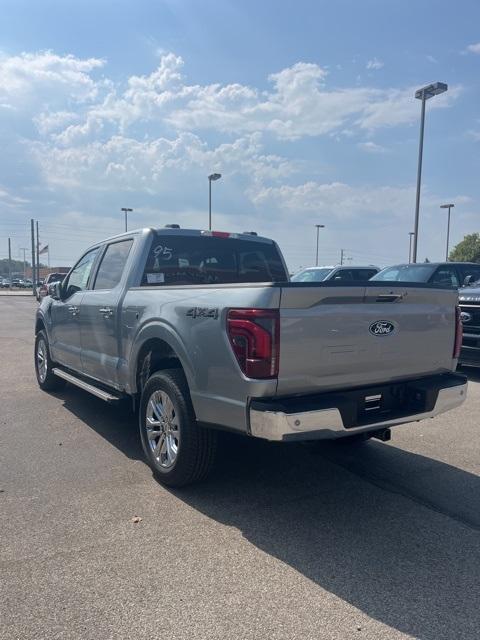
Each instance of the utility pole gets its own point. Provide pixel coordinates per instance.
(10, 261)
(24, 262)
(38, 253)
(342, 251)
(211, 177)
(423, 94)
(319, 226)
(126, 211)
(34, 278)
(411, 234)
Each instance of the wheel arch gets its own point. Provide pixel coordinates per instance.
(40, 325)
(156, 350)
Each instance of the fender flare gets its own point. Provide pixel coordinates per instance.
(162, 331)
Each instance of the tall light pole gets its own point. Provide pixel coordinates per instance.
(447, 206)
(319, 226)
(24, 262)
(126, 210)
(411, 234)
(423, 94)
(211, 178)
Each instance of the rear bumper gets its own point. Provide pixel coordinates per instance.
(336, 415)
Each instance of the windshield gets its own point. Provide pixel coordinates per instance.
(406, 273)
(311, 275)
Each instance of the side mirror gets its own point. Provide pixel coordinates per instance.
(467, 281)
(55, 290)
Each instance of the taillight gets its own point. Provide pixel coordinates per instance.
(458, 333)
(255, 338)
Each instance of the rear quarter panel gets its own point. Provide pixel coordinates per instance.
(218, 388)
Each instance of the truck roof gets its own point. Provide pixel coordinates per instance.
(243, 235)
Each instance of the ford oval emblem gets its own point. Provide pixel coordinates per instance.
(382, 328)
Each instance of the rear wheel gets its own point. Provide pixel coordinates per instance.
(47, 380)
(177, 449)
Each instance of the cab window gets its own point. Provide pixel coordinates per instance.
(113, 264)
(445, 277)
(471, 272)
(77, 280)
(344, 275)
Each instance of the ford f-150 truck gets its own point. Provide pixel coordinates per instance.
(205, 332)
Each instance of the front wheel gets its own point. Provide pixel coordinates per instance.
(177, 449)
(47, 380)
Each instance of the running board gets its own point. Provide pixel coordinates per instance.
(100, 393)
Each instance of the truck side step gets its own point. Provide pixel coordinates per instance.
(96, 391)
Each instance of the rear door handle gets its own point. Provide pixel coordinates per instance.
(106, 311)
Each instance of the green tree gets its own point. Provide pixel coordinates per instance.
(17, 266)
(468, 250)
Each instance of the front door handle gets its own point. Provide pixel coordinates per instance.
(107, 312)
(73, 310)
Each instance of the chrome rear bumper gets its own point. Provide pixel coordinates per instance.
(327, 423)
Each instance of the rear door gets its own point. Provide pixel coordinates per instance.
(99, 315)
(346, 336)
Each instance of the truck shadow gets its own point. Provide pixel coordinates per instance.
(393, 533)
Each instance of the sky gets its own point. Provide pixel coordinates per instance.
(306, 108)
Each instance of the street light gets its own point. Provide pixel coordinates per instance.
(423, 94)
(319, 226)
(447, 206)
(411, 234)
(126, 210)
(211, 177)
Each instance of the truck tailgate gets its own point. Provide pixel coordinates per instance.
(346, 336)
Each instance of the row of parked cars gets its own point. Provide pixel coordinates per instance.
(15, 283)
(464, 276)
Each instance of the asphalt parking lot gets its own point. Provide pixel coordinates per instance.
(381, 542)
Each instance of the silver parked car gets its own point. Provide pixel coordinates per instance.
(339, 273)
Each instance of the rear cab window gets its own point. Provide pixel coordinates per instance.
(201, 260)
(113, 264)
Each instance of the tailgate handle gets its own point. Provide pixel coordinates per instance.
(389, 297)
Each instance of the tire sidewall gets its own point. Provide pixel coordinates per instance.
(182, 405)
(41, 337)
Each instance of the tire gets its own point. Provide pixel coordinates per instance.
(47, 381)
(178, 450)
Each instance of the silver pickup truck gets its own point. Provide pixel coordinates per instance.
(204, 331)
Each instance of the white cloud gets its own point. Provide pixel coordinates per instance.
(474, 48)
(151, 140)
(299, 104)
(151, 165)
(398, 107)
(338, 199)
(371, 147)
(375, 64)
(44, 78)
(48, 122)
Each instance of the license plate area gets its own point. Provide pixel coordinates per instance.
(384, 403)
